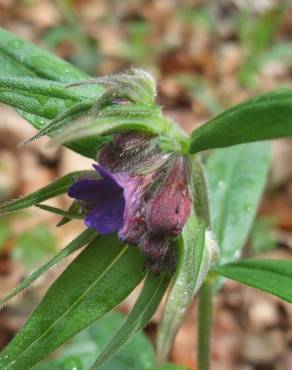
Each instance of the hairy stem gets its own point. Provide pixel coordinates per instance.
(204, 324)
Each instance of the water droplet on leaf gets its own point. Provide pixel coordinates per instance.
(72, 363)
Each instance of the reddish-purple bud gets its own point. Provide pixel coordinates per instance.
(170, 208)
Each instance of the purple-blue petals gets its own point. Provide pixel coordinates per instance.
(106, 199)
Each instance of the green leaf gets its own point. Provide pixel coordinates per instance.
(268, 116)
(82, 113)
(272, 276)
(236, 179)
(61, 120)
(33, 95)
(191, 245)
(41, 101)
(145, 307)
(137, 353)
(21, 58)
(196, 258)
(84, 347)
(38, 86)
(91, 127)
(94, 283)
(42, 107)
(60, 212)
(57, 187)
(199, 189)
(74, 207)
(86, 237)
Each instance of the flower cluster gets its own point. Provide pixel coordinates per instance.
(142, 194)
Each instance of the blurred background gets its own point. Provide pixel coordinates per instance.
(206, 56)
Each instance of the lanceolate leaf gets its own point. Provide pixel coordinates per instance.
(61, 212)
(236, 179)
(268, 116)
(95, 282)
(74, 207)
(100, 126)
(40, 100)
(199, 189)
(191, 245)
(80, 352)
(146, 305)
(38, 86)
(61, 120)
(87, 112)
(57, 187)
(37, 96)
(86, 237)
(45, 108)
(272, 276)
(21, 58)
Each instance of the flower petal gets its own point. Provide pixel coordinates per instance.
(134, 225)
(107, 215)
(104, 173)
(93, 190)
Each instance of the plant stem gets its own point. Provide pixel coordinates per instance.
(204, 324)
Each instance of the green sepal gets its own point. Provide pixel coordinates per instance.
(74, 207)
(61, 212)
(89, 127)
(135, 85)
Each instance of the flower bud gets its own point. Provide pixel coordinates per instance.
(170, 207)
(161, 256)
(128, 152)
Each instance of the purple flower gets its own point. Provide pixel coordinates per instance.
(106, 198)
(113, 201)
(142, 194)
